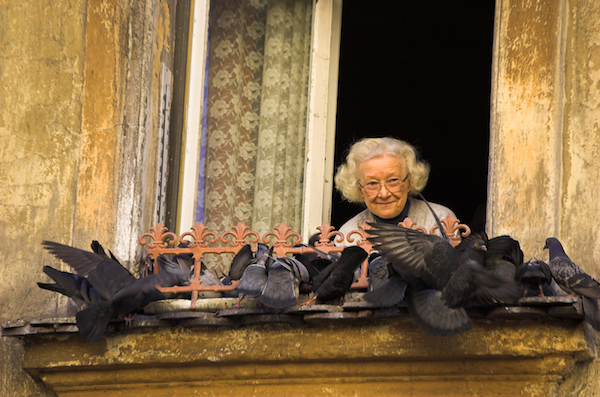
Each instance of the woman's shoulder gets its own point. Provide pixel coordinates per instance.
(353, 224)
(357, 220)
(420, 213)
(422, 206)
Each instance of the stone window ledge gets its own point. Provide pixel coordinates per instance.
(322, 350)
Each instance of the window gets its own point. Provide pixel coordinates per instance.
(420, 72)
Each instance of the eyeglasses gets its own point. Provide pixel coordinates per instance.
(393, 185)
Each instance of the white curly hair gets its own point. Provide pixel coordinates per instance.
(346, 177)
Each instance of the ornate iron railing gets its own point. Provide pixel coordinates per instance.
(200, 241)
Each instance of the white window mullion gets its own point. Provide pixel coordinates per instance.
(193, 115)
(322, 107)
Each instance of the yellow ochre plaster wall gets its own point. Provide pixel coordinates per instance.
(544, 175)
(78, 138)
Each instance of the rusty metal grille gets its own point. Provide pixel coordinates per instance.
(202, 241)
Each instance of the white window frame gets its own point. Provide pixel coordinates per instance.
(192, 126)
(322, 108)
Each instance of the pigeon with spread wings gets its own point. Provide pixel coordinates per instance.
(451, 280)
(76, 287)
(120, 293)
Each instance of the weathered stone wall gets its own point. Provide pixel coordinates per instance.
(545, 136)
(331, 357)
(579, 212)
(78, 138)
(42, 51)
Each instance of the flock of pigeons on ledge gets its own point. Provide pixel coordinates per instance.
(436, 281)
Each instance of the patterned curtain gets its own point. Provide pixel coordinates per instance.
(257, 102)
(282, 126)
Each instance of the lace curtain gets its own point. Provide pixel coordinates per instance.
(257, 102)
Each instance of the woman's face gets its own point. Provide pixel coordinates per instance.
(384, 204)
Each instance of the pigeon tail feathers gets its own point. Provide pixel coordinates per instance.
(433, 317)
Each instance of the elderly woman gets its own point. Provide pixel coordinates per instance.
(382, 173)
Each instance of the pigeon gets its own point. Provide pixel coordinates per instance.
(120, 292)
(187, 264)
(314, 259)
(335, 280)
(393, 290)
(572, 279)
(475, 284)
(445, 281)
(442, 313)
(502, 256)
(567, 274)
(124, 297)
(254, 279)
(378, 271)
(283, 279)
(533, 275)
(429, 257)
(71, 285)
(240, 261)
(504, 247)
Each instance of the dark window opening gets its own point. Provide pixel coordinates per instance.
(421, 72)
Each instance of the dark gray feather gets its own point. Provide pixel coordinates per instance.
(336, 279)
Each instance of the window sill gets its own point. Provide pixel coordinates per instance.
(356, 350)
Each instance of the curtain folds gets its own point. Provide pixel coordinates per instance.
(282, 125)
(259, 55)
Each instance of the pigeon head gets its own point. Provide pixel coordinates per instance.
(555, 248)
(479, 245)
(476, 250)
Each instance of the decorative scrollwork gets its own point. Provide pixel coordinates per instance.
(282, 236)
(159, 237)
(362, 234)
(327, 237)
(410, 224)
(239, 234)
(364, 228)
(199, 234)
(451, 226)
